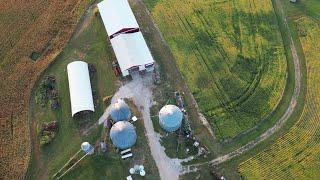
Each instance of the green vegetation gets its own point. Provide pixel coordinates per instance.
(46, 137)
(92, 46)
(231, 56)
(296, 154)
(310, 8)
(47, 92)
(230, 168)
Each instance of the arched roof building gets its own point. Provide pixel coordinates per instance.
(79, 87)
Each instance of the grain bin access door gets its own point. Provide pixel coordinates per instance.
(134, 69)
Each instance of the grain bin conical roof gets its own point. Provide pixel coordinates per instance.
(120, 111)
(123, 135)
(170, 118)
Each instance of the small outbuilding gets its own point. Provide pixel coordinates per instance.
(123, 135)
(120, 111)
(79, 87)
(170, 118)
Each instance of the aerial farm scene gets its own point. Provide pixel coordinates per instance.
(160, 89)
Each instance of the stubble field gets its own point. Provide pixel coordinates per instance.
(31, 34)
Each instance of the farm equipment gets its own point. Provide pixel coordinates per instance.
(156, 77)
(107, 99)
(185, 122)
(179, 99)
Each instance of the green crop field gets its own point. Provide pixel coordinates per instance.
(297, 154)
(231, 55)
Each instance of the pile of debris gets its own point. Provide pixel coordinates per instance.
(201, 150)
(185, 121)
(156, 77)
(47, 92)
(48, 132)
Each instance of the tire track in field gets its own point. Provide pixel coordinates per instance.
(202, 57)
(280, 122)
(226, 104)
(202, 60)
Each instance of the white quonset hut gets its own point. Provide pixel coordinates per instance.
(130, 47)
(79, 87)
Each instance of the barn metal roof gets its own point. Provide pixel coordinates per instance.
(130, 49)
(116, 15)
(79, 87)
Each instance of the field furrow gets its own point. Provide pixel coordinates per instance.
(231, 56)
(296, 154)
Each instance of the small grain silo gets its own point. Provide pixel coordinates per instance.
(123, 135)
(120, 111)
(87, 148)
(170, 118)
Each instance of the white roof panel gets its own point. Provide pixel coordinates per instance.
(116, 15)
(131, 50)
(79, 87)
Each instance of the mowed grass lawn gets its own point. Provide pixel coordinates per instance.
(93, 47)
(296, 155)
(231, 55)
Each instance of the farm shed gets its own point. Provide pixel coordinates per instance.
(170, 118)
(127, 41)
(120, 111)
(79, 87)
(123, 135)
(116, 16)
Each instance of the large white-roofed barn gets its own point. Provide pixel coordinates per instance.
(127, 41)
(117, 15)
(79, 87)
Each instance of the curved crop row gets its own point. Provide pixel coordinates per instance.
(296, 154)
(231, 55)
